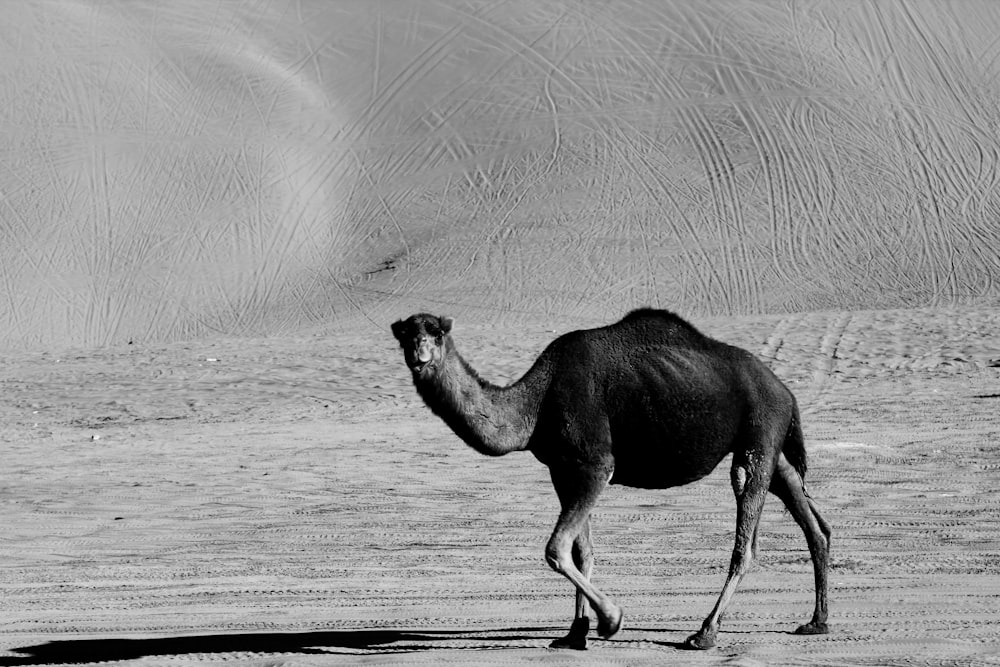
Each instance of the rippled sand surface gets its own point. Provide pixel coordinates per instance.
(211, 212)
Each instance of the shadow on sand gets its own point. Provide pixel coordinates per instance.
(318, 643)
(323, 642)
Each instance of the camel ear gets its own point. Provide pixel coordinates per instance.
(446, 324)
(397, 329)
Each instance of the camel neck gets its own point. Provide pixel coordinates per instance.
(492, 420)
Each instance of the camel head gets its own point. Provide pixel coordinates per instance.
(422, 338)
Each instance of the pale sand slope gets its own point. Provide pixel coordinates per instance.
(175, 170)
(292, 502)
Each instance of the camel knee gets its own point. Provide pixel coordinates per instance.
(557, 555)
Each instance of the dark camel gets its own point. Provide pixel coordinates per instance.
(647, 402)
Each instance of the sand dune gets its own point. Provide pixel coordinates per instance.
(174, 172)
(210, 212)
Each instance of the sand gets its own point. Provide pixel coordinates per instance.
(211, 212)
(290, 501)
(178, 171)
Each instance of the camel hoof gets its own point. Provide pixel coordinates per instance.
(577, 637)
(608, 626)
(700, 641)
(574, 643)
(812, 628)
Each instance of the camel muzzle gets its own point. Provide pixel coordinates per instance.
(420, 358)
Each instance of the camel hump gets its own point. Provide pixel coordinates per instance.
(655, 314)
(661, 320)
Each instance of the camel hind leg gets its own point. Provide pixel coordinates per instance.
(787, 484)
(750, 484)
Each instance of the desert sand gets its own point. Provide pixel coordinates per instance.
(212, 212)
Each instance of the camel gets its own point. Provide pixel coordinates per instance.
(647, 402)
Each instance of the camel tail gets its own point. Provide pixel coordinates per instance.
(794, 448)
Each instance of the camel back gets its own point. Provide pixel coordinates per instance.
(794, 445)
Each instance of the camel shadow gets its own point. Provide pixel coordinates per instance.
(321, 642)
(329, 642)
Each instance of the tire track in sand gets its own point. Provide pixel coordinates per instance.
(372, 534)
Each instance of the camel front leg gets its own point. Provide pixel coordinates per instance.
(583, 558)
(578, 492)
